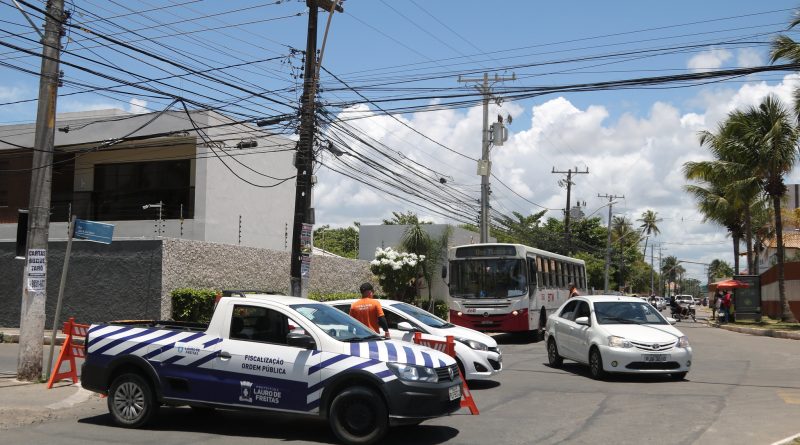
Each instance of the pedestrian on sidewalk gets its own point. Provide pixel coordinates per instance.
(726, 307)
(715, 304)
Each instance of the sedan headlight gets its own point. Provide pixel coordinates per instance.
(476, 345)
(618, 342)
(683, 341)
(413, 373)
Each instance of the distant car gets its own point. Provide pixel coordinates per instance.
(617, 334)
(662, 303)
(477, 354)
(685, 299)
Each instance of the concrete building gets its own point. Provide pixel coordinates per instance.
(234, 184)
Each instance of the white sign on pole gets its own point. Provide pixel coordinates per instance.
(37, 269)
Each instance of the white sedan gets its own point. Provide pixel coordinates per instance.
(616, 334)
(477, 354)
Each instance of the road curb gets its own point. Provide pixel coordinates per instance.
(14, 338)
(788, 440)
(775, 333)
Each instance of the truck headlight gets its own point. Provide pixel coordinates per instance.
(618, 342)
(476, 345)
(413, 373)
(683, 341)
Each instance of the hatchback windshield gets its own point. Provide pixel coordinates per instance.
(625, 312)
(336, 323)
(424, 317)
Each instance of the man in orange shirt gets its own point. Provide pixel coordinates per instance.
(368, 310)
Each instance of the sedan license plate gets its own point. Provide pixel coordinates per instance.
(655, 357)
(455, 392)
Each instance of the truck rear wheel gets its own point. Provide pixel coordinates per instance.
(359, 416)
(131, 401)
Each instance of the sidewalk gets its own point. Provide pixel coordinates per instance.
(11, 335)
(28, 402)
(762, 331)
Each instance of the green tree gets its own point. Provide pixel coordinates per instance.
(719, 269)
(770, 149)
(418, 241)
(340, 241)
(400, 218)
(649, 226)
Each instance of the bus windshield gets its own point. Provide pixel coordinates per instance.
(488, 278)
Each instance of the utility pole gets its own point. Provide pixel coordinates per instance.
(304, 160)
(608, 240)
(34, 279)
(485, 165)
(652, 272)
(569, 174)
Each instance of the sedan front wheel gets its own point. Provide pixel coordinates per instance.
(596, 364)
(553, 358)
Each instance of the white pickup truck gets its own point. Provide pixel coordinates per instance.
(275, 353)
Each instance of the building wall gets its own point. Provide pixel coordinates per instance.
(121, 280)
(266, 208)
(134, 279)
(225, 266)
(770, 297)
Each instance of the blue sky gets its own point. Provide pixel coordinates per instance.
(634, 142)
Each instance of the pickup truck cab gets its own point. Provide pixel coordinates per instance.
(272, 353)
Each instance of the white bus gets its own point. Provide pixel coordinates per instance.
(508, 287)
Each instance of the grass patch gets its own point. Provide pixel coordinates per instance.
(769, 323)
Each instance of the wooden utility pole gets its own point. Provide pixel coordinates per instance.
(34, 279)
(569, 174)
(304, 160)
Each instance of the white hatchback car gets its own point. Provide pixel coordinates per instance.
(617, 334)
(477, 354)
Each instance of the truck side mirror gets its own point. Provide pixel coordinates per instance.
(299, 340)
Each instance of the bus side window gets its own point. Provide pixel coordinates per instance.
(539, 274)
(532, 273)
(571, 274)
(553, 276)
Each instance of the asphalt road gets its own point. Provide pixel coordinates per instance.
(742, 390)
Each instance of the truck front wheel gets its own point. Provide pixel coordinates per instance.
(131, 401)
(359, 416)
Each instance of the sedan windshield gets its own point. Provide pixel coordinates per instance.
(335, 323)
(625, 312)
(422, 316)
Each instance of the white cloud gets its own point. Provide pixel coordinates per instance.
(709, 60)
(13, 93)
(748, 57)
(137, 106)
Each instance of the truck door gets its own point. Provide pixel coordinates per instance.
(256, 368)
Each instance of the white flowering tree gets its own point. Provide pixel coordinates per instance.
(396, 272)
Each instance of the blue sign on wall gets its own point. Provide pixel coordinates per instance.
(93, 231)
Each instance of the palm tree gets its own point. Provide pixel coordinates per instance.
(649, 226)
(715, 206)
(417, 240)
(770, 150)
(785, 48)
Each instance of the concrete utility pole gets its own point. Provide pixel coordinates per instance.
(304, 161)
(608, 240)
(34, 278)
(569, 174)
(484, 165)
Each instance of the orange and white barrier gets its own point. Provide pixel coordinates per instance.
(449, 348)
(69, 352)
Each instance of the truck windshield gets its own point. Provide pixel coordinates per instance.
(335, 323)
(488, 278)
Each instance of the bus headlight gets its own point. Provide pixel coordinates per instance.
(459, 313)
(515, 313)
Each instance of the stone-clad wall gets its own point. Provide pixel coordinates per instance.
(222, 266)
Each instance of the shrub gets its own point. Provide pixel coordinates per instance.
(318, 296)
(440, 308)
(195, 305)
(396, 272)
